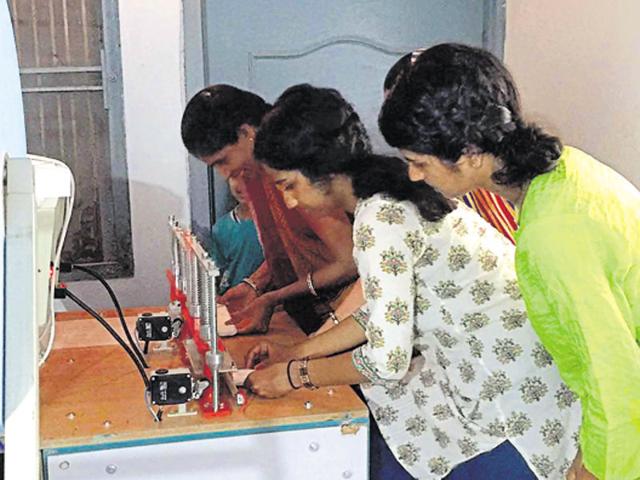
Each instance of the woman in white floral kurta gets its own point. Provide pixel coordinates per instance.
(444, 288)
(448, 289)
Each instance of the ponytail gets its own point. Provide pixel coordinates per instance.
(526, 152)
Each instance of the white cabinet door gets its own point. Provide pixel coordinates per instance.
(320, 453)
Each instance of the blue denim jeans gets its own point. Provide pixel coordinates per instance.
(504, 462)
(382, 464)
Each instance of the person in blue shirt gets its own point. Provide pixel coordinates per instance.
(235, 246)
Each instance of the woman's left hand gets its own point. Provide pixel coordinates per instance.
(263, 354)
(255, 318)
(270, 382)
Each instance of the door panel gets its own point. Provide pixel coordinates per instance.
(266, 46)
(340, 54)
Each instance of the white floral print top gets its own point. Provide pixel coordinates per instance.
(448, 291)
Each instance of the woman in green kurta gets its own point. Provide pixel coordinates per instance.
(456, 118)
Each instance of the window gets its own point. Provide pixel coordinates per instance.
(70, 71)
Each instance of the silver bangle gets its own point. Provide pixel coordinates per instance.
(312, 289)
(304, 375)
(249, 282)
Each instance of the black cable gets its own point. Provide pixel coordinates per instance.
(113, 333)
(112, 294)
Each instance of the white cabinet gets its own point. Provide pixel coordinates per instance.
(317, 453)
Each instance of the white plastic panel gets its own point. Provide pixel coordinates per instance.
(314, 454)
(21, 352)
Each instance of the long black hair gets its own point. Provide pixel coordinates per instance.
(213, 116)
(317, 132)
(455, 100)
(371, 174)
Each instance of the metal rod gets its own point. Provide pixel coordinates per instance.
(195, 287)
(189, 291)
(213, 334)
(203, 300)
(184, 268)
(175, 259)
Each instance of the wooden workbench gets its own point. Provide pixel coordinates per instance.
(91, 397)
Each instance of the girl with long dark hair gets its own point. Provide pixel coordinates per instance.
(456, 117)
(438, 280)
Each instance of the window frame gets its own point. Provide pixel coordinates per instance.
(120, 261)
(113, 187)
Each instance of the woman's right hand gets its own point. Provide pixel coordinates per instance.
(264, 354)
(270, 382)
(238, 297)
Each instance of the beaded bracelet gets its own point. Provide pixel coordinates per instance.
(304, 375)
(289, 375)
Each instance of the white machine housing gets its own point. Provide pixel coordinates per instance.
(35, 197)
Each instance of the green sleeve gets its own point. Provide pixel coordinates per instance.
(632, 290)
(576, 302)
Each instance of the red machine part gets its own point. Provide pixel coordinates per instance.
(190, 330)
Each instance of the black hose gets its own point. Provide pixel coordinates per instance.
(113, 333)
(112, 294)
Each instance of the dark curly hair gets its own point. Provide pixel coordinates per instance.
(455, 100)
(213, 116)
(371, 174)
(317, 132)
(314, 130)
(397, 69)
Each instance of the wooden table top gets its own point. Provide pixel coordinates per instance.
(91, 393)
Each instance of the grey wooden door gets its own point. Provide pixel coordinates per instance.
(267, 45)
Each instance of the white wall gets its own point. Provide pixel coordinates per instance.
(153, 83)
(12, 130)
(577, 65)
